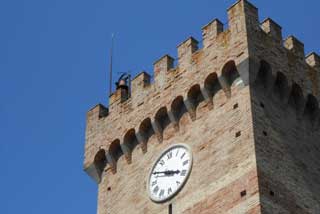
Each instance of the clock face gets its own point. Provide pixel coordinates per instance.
(169, 173)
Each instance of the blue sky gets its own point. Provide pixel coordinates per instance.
(53, 68)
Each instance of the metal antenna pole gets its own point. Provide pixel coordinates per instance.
(111, 55)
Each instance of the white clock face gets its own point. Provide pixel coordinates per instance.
(170, 172)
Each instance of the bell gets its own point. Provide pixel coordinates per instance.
(122, 82)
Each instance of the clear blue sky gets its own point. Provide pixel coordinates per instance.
(53, 64)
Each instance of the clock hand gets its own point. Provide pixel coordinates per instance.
(167, 172)
(170, 172)
(155, 173)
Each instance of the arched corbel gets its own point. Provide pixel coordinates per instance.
(212, 86)
(127, 153)
(194, 98)
(264, 78)
(229, 77)
(145, 132)
(244, 69)
(96, 167)
(311, 108)
(190, 108)
(129, 144)
(142, 141)
(281, 87)
(207, 97)
(157, 130)
(112, 162)
(160, 122)
(173, 120)
(114, 153)
(225, 86)
(296, 99)
(178, 109)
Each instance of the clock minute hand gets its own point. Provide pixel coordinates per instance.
(170, 172)
(160, 172)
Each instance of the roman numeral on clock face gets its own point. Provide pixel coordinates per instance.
(183, 172)
(169, 191)
(183, 155)
(161, 194)
(154, 183)
(169, 155)
(185, 162)
(155, 190)
(161, 162)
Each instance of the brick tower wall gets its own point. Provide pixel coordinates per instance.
(222, 101)
(286, 121)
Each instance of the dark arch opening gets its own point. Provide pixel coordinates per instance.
(311, 107)
(296, 98)
(178, 108)
(212, 84)
(162, 118)
(145, 129)
(130, 139)
(264, 74)
(195, 96)
(230, 73)
(281, 84)
(115, 150)
(100, 160)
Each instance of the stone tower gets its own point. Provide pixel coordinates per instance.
(246, 103)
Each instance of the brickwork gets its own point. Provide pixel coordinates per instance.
(286, 127)
(245, 103)
(237, 169)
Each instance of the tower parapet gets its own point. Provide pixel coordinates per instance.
(244, 37)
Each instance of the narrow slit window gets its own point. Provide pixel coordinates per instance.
(235, 106)
(271, 193)
(238, 134)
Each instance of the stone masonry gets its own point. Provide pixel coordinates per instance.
(247, 103)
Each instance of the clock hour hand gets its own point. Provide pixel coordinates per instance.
(167, 172)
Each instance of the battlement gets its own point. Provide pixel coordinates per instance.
(273, 29)
(313, 60)
(247, 54)
(295, 46)
(211, 31)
